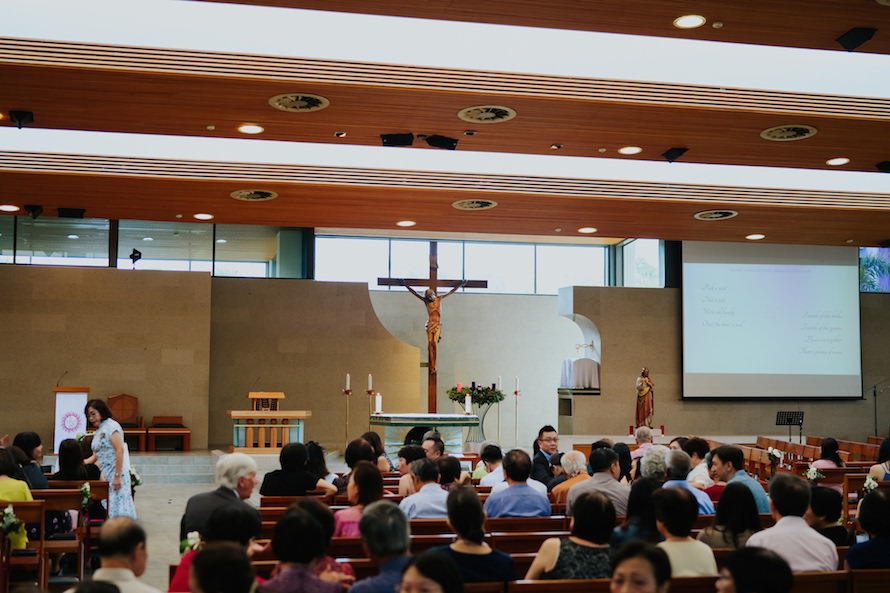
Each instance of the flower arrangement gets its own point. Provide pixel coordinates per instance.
(870, 484)
(85, 494)
(775, 456)
(812, 474)
(9, 523)
(479, 394)
(192, 541)
(135, 478)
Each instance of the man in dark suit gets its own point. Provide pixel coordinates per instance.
(548, 445)
(236, 478)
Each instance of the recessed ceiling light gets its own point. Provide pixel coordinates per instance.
(221, 241)
(9, 208)
(74, 236)
(250, 129)
(630, 150)
(755, 236)
(848, 241)
(202, 216)
(587, 230)
(148, 238)
(179, 216)
(837, 161)
(689, 21)
(406, 223)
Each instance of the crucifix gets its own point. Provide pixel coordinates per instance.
(433, 302)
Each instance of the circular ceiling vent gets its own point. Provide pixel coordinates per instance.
(788, 133)
(486, 114)
(253, 195)
(715, 214)
(474, 204)
(299, 102)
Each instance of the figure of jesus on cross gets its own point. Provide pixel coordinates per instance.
(433, 302)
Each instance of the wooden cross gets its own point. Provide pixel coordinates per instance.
(433, 302)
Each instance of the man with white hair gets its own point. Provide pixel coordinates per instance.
(574, 464)
(235, 478)
(677, 466)
(643, 437)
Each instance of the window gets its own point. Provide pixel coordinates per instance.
(643, 263)
(508, 268)
(557, 266)
(174, 246)
(411, 259)
(351, 259)
(7, 226)
(62, 241)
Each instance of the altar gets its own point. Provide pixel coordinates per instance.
(265, 428)
(397, 426)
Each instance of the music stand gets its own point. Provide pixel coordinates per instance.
(790, 419)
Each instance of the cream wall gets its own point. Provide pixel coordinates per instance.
(641, 327)
(115, 331)
(302, 337)
(484, 336)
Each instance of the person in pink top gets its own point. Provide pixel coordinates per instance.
(364, 487)
(830, 459)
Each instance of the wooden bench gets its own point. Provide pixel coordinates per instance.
(837, 581)
(870, 580)
(32, 558)
(62, 500)
(168, 426)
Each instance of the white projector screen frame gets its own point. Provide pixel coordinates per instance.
(770, 321)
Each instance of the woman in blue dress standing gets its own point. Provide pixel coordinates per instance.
(111, 455)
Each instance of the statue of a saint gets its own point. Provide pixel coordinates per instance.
(433, 304)
(645, 399)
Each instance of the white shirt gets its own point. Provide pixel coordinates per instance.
(496, 476)
(690, 558)
(536, 485)
(124, 578)
(699, 475)
(804, 548)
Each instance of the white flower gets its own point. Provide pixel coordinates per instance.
(813, 474)
(194, 539)
(85, 494)
(870, 484)
(135, 478)
(775, 455)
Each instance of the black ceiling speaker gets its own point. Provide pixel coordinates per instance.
(437, 141)
(21, 118)
(397, 139)
(884, 243)
(34, 210)
(71, 212)
(855, 37)
(672, 154)
(883, 166)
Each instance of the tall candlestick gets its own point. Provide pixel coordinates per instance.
(347, 381)
(500, 382)
(468, 405)
(378, 404)
(517, 383)
(370, 382)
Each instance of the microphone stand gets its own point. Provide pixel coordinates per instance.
(874, 395)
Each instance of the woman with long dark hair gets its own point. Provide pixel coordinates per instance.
(383, 462)
(639, 520)
(364, 487)
(736, 519)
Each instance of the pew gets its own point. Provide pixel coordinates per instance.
(837, 581)
(32, 558)
(870, 580)
(62, 500)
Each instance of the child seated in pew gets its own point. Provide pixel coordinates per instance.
(675, 513)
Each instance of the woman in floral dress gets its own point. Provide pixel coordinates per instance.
(111, 455)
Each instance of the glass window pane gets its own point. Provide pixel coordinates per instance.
(175, 246)
(62, 241)
(244, 250)
(509, 268)
(643, 263)
(7, 225)
(569, 265)
(411, 259)
(346, 259)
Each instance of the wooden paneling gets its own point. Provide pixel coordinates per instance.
(792, 23)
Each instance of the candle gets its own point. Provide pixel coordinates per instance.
(473, 385)
(347, 381)
(468, 404)
(517, 383)
(378, 404)
(499, 381)
(370, 382)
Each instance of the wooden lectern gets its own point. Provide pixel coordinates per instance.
(264, 428)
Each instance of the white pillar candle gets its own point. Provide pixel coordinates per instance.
(517, 383)
(378, 404)
(370, 382)
(347, 381)
(468, 404)
(500, 382)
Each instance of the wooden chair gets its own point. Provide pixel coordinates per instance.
(125, 410)
(168, 426)
(837, 581)
(31, 559)
(870, 581)
(62, 501)
(90, 525)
